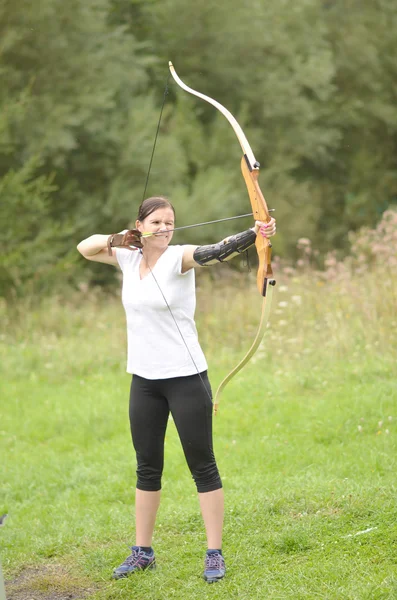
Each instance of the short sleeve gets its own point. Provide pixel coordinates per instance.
(125, 257)
(178, 256)
(179, 262)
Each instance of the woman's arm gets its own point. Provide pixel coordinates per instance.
(189, 262)
(95, 248)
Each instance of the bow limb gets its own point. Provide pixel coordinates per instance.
(226, 113)
(266, 306)
(250, 171)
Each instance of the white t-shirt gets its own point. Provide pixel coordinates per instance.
(156, 349)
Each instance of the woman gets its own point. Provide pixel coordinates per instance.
(168, 366)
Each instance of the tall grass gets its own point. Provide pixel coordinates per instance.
(347, 310)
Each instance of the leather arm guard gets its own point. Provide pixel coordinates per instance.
(226, 249)
(132, 237)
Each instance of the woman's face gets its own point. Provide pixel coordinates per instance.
(159, 220)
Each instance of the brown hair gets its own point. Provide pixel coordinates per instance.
(149, 205)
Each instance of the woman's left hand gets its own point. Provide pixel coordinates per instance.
(266, 229)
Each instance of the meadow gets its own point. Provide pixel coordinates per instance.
(305, 439)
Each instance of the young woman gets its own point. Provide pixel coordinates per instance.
(168, 366)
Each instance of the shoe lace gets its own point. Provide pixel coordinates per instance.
(137, 557)
(214, 561)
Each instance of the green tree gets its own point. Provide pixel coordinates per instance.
(312, 84)
(364, 45)
(67, 117)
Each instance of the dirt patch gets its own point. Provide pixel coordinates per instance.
(53, 582)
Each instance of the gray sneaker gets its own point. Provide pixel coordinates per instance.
(214, 566)
(137, 561)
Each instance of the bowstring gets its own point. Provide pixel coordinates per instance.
(147, 262)
(156, 136)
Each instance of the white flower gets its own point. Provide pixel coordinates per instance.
(304, 242)
(297, 300)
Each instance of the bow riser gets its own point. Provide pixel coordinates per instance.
(261, 213)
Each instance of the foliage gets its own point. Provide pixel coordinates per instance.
(82, 84)
(70, 79)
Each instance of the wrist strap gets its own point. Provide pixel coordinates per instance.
(114, 240)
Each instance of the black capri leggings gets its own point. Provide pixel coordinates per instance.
(190, 404)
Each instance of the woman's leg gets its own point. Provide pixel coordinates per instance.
(148, 419)
(191, 407)
(146, 506)
(212, 509)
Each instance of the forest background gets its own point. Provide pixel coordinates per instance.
(313, 84)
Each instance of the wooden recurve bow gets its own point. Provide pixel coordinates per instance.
(265, 280)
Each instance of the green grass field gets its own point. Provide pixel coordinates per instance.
(305, 440)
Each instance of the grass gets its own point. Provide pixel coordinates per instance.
(305, 441)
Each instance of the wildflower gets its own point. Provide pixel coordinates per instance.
(297, 300)
(303, 242)
(283, 304)
(360, 428)
(283, 288)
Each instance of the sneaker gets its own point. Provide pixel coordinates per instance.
(137, 561)
(214, 566)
